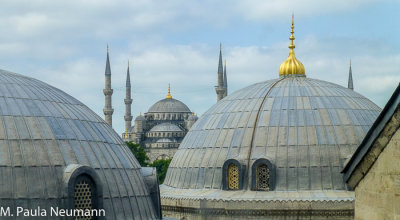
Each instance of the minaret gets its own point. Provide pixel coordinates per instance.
(350, 83)
(219, 89)
(108, 110)
(225, 81)
(128, 103)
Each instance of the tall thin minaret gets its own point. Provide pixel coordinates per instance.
(108, 110)
(128, 103)
(225, 81)
(350, 83)
(219, 89)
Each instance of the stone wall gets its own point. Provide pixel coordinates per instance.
(378, 193)
(154, 154)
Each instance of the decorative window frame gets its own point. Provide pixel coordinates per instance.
(272, 174)
(242, 170)
(72, 174)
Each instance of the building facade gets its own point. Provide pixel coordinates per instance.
(272, 150)
(373, 171)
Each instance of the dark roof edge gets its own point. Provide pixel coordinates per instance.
(373, 133)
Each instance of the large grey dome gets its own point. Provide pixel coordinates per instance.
(169, 105)
(305, 128)
(48, 140)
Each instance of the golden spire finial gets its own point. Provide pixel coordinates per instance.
(169, 92)
(292, 66)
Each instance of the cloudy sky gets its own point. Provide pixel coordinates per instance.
(64, 43)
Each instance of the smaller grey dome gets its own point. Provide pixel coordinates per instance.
(140, 118)
(165, 127)
(169, 105)
(166, 140)
(192, 118)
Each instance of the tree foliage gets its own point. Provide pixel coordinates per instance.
(162, 167)
(139, 153)
(141, 156)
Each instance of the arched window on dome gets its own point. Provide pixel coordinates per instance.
(232, 175)
(83, 188)
(85, 194)
(263, 175)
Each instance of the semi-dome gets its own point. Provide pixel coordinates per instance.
(166, 140)
(53, 146)
(140, 118)
(169, 105)
(165, 127)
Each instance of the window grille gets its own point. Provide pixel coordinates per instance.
(233, 176)
(83, 197)
(262, 179)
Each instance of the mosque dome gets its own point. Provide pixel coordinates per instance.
(193, 117)
(53, 146)
(140, 118)
(283, 141)
(169, 105)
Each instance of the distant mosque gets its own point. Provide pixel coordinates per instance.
(160, 130)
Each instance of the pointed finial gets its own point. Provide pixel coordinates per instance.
(107, 49)
(291, 66)
(128, 63)
(169, 92)
(220, 46)
(350, 62)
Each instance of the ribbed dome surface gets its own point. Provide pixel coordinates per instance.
(169, 105)
(42, 131)
(305, 127)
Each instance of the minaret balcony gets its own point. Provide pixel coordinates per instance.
(108, 91)
(128, 117)
(128, 101)
(108, 111)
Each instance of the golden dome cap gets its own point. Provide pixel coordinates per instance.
(169, 92)
(292, 66)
